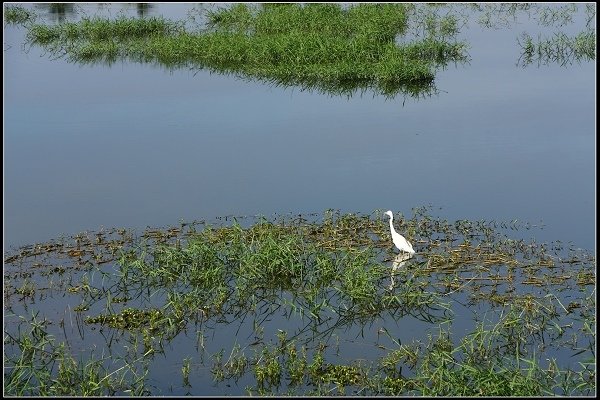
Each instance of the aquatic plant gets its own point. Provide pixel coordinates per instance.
(17, 15)
(323, 277)
(326, 47)
(560, 49)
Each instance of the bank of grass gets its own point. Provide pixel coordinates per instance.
(326, 46)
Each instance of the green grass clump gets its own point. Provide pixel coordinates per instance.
(97, 30)
(17, 15)
(326, 46)
(42, 367)
(322, 43)
(482, 364)
(369, 22)
(436, 367)
(265, 257)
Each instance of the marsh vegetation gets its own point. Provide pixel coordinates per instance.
(389, 49)
(320, 46)
(137, 296)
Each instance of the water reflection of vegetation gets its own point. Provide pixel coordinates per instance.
(559, 48)
(499, 15)
(58, 11)
(143, 9)
(323, 278)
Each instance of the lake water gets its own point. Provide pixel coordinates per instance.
(133, 145)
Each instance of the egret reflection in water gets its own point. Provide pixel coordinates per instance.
(398, 263)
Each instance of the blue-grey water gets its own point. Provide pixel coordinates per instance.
(133, 145)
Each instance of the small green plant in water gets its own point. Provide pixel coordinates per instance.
(17, 15)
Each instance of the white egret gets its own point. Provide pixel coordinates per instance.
(399, 241)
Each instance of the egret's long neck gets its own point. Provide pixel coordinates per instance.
(392, 226)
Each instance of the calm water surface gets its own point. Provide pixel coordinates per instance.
(134, 145)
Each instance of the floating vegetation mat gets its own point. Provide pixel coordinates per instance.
(304, 305)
